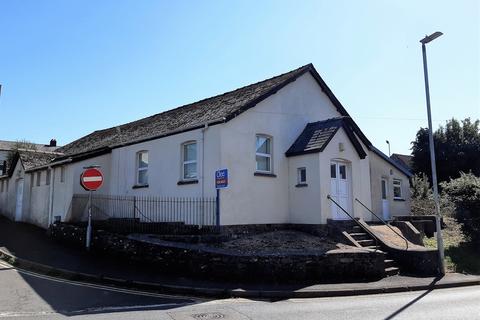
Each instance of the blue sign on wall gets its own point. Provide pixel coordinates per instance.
(221, 179)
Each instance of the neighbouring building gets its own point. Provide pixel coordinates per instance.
(287, 141)
(405, 160)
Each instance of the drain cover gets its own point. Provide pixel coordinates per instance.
(208, 316)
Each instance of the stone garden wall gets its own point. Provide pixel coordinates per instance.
(193, 260)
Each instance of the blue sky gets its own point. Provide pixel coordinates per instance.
(71, 67)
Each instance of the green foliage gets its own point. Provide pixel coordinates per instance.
(457, 149)
(422, 202)
(464, 192)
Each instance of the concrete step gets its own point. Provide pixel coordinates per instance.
(360, 236)
(392, 271)
(366, 243)
(357, 229)
(390, 263)
(372, 247)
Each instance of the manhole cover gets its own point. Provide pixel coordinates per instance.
(208, 316)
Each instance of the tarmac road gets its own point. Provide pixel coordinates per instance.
(25, 295)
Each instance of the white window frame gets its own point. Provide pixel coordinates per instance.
(137, 173)
(397, 183)
(184, 162)
(265, 155)
(62, 174)
(299, 175)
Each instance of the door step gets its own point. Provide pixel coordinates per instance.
(366, 243)
(392, 271)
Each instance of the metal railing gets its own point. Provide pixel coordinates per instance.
(384, 222)
(356, 221)
(146, 213)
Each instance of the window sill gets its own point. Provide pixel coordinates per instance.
(264, 174)
(301, 185)
(398, 199)
(183, 182)
(139, 186)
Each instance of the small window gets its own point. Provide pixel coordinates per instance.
(333, 170)
(384, 189)
(397, 189)
(1, 186)
(47, 179)
(142, 168)
(39, 176)
(32, 179)
(264, 154)
(62, 174)
(301, 175)
(343, 171)
(189, 161)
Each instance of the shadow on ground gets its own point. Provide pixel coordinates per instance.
(465, 258)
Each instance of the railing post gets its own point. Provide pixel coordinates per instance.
(217, 208)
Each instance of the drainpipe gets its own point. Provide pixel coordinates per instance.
(52, 191)
(205, 128)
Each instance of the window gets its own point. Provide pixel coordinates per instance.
(333, 170)
(62, 174)
(263, 154)
(343, 171)
(397, 189)
(189, 161)
(301, 175)
(142, 168)
(1, 186)
(39, 176)
(47, 179)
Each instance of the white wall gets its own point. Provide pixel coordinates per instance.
(254, 199)
(359, 175)
(382, 169)
(37, 199)
(305, 201)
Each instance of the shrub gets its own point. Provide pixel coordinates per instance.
(422, 198)
(464, 192)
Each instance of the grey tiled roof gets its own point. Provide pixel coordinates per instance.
(212, 110)
(315, 136)
(34, 159)
(11, 145)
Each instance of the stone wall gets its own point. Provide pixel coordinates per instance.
(214, 263)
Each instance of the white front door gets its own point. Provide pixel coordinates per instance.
(385, 203)
(19, 201)
(340, 190)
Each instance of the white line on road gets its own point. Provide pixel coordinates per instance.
(103, 287)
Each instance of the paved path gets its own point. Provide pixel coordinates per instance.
(29, 296)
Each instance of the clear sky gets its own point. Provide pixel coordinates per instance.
(71, 67)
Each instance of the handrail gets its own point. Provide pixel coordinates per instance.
(356, 221)
(384, 222)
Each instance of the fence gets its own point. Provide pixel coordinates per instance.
(145, 213)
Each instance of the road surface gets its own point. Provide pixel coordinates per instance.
(25, 295)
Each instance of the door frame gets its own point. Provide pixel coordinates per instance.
(337, 213)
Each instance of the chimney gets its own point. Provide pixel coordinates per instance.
(53, 143)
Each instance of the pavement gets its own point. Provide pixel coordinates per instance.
(25, 295)
(29, 248)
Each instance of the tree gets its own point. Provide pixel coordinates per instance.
(464, 192)
(457, 149)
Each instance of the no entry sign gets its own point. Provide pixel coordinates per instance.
(91, 179)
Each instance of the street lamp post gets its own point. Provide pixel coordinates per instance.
(424, 41)
(388, 142)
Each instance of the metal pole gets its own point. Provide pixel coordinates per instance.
(89, 226)
(434, 169)
(217, 209)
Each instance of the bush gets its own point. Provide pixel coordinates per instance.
(422, 198)
(464, 192)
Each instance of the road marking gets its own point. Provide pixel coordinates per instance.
(104, 287)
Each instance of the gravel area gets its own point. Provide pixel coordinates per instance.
(293, 242)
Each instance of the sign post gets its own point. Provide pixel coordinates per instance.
(221, 182)
(91, 180)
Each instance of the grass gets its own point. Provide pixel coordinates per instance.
(460, 255)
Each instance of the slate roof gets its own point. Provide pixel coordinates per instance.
(316, 136)
(10, 145)
(404, 160)
(218, 109)
(31, 160)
